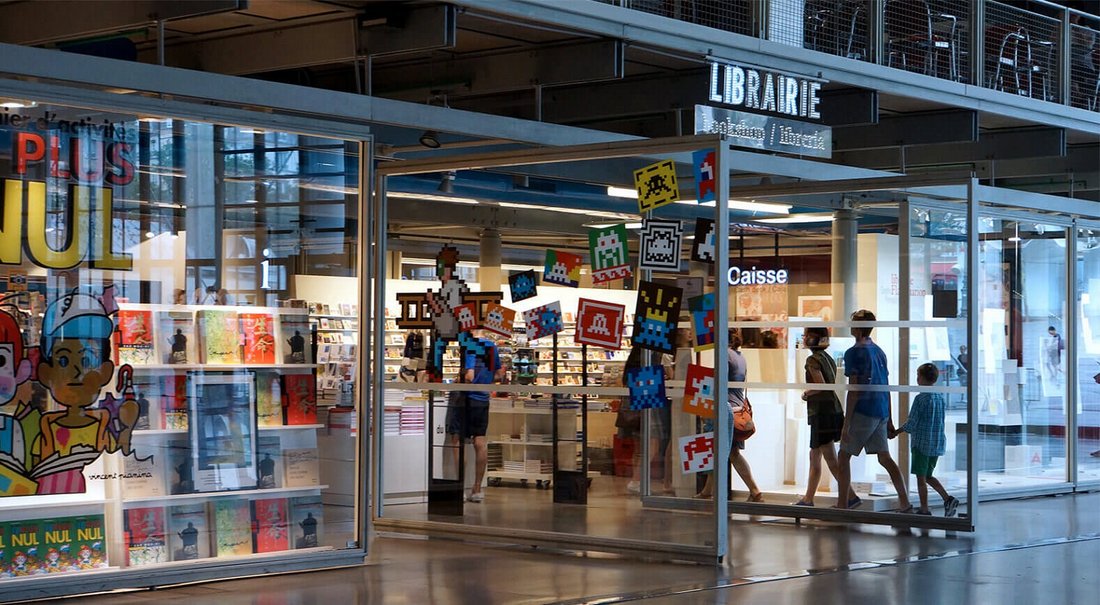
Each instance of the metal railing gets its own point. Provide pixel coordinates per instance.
(1033, 48)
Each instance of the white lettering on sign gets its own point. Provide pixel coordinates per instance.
(764, 90)
(756, 277)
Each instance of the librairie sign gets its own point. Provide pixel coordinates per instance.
(757, 131)
(752, 88)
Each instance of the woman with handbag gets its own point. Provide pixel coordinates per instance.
(738, 403)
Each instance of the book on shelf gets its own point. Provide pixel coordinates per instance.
(176, 337)
(89, 543)
(188, 532)
(135, 337)
(57, 544)
(232, 527)
(147, 389)
(300, 467)
(269, 399)
(306, 521)
(300, 396)
(269, 465)
(294, 338)
(219, 336)
(145, 471)
(259, 337)
(180, 467)
(25, 546)
(145, 536)
(272, 529)
(223, 415)
(173, 402)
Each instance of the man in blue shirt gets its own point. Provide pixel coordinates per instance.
(481, 365)
(867, 419)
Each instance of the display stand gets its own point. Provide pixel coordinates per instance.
(445, 492)
(570, 483)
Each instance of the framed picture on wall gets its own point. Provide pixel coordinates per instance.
(223, 430)
(816, 306)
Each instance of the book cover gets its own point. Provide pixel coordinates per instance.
(219, 336)
(272, 530)
(306, 521)
(135, 337)
(173, 402)
(232, 528)
(300, 394)
(269, 456)
(188, 532)
(57, 544)
(25, 544)
(180, 467)
(176, 337)
(145, 470)
(294, 338)
(147, 389)
(259, 337)
(145, 543)
(89, 544)
(4, 551)
(223, 433)
(300, 467)
(269, 399)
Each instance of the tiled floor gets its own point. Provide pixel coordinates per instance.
(1039, 550)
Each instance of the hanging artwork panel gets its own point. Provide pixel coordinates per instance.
(703, 166)
(599, 323)
(499, 319)
(647, 387)
(702, 249)
(609, 254)
(655, 316)
(697, 453)
(543, 321)
(523, 285)
(660, 249)
(656, 185)
(562, 268)
(702, 321)
(699, 391)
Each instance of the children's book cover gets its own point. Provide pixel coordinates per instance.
(25, 546)
(176, 337)
(306, 521)
(220, 336)
(259, 337)
(272, 531)
(188, 532)
(135, 337)
(57, 544)
(145, 543)
(269, 399)
(89, 544)
(300, 395)
(294, 338)
(232, 527)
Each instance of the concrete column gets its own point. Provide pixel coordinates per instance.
(489, 274)
(845, 266)
(393, 264)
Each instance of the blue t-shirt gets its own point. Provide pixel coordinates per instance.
(737, 372)
(867, 364)
(483, 374)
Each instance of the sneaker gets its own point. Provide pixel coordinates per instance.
(802, 503)
(950, 506)
(633, 487)
(478, 497)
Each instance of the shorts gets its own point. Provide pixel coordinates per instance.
(708, 426)
(468, 421)
(825, 428)
(865, 433)
(921, 465)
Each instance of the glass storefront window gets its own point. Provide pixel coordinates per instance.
(1088, 354)
(179, 319)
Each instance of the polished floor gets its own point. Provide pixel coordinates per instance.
(1037, 550)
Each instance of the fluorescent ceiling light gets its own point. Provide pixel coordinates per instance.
(431, 197)
(622, 192)
(808, 217)
(583, 211)
(606, 225)
(317, 187)
(17, 104)
(748, 206)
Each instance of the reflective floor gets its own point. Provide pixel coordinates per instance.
(1038, 550)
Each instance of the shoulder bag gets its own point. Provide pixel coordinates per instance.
(743, 426)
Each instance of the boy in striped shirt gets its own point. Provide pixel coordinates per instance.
(925, 426)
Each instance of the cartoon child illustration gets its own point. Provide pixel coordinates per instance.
(84, 557)
(53, 561)
(15, 369)
(74, 367)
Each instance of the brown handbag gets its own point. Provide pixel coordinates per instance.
(743, 426)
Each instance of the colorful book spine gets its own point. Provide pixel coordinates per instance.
(272, 530)
(219, 336)
(259, 338)
(232, 528)
(145, 531)
(300, 392)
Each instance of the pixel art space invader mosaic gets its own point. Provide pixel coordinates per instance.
(703, 167)
(702, 249)
(562, 268)
(660, 249)
(655, 316)
(699, 391)
(543, 321)
(523, 285)
(499, 319)
(599, 323)
(609, 254)
(697, 453)
(702, 321)
(656, 185)
(647, 387)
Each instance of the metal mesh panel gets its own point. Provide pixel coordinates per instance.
(837, 27)
(1084, 87)
(924, 37)
(1021, 52)
(727, 15)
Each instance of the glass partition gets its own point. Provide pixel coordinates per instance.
(1088, 354)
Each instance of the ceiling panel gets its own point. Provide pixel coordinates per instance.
(212, 23)
(287, 9)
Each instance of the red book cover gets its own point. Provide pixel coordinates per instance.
(272, 529)
(259, 341)
(146, 536)
(174, 401)
(135, 337)
(300, 397)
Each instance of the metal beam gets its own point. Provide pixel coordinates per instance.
(849, 107)
(412, 30)
(910, 129)
(635, 96)
(44, 22)
(999, 145)
(502, 72)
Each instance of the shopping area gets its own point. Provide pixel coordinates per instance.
(238, 326)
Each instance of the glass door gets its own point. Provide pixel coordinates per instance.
(1088, 354)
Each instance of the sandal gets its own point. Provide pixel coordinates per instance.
(803, 503)
(757, 497)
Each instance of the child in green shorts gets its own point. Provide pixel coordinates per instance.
(928, 442)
